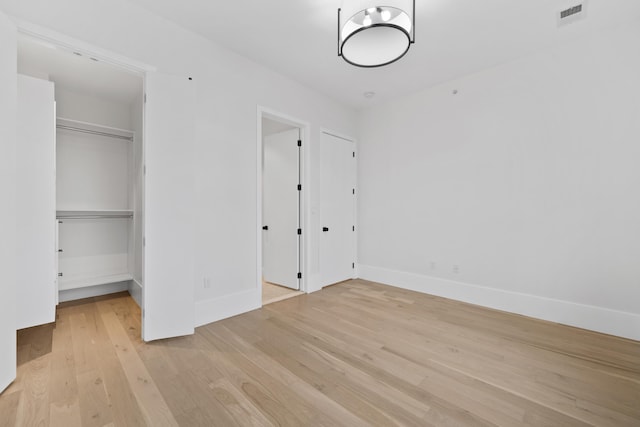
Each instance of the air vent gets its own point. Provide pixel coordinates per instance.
(571, 13)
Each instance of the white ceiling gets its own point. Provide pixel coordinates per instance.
(79, 74)
(298, 38)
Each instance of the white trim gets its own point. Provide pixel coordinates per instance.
(215, 309)
(305, 129)
(92, 291)
(337, 134)
(59, 40)
(135, 290)
(599, 319)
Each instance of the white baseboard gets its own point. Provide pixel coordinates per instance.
(92, 291)
(599, 319)
(135, 290)
(212, 310)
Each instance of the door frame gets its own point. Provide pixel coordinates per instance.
(59, 40)
(324, 130)
(304, 126)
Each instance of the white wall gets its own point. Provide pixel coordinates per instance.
(229, 89)
(8, 89)
(92, 109)
(526, 180)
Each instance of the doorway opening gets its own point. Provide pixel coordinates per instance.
(83, 175)
(281, 207)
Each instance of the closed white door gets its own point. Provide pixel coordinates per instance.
(8, 34)
(337, 209)
(168, 292)
(36, 202)
(280, 201)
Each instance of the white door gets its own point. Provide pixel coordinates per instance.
(8, 59)
(36, 203)
(337, 209)
(280, 201)
(168, 291)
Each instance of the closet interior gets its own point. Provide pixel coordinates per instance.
(98, 218)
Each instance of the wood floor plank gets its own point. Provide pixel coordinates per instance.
(358, 353)
(34, 399)
(64, 404)
(286, 376)
(9, 405)
(152, 404)
(95, 408)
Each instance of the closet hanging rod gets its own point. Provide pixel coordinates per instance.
(94, 132)
(94, 216)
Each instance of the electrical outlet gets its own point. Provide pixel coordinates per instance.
(456, 269)
(206, 282)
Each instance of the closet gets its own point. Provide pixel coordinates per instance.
(95, 209)
(81, 188)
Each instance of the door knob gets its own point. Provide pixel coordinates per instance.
(265, 227)
(325, 229)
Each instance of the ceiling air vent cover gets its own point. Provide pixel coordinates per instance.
(572, 14)
(571, 11)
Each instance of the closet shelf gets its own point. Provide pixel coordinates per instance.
(94, 129)
(85, 282)
(94, 214)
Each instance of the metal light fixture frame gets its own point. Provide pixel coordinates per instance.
(411, 37)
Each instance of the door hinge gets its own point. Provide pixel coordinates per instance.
(353, 228)
(299, 187)
(299, 143)
(354, 154)
(299, 275)
(299, 231)
(144, 170)
(353, 191)
(145, 98)
(353, 265)
(144, 241)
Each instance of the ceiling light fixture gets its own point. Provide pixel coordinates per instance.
(374, 36)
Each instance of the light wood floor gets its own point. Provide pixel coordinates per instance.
(353, 354)
(273, 293)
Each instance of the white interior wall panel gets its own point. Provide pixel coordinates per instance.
(518, 191)
(8, 236)
(92, 172)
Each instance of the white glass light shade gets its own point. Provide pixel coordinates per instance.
(370, 35)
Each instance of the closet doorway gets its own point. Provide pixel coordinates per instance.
(116, 139)
(81, 179)
(282, 231)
